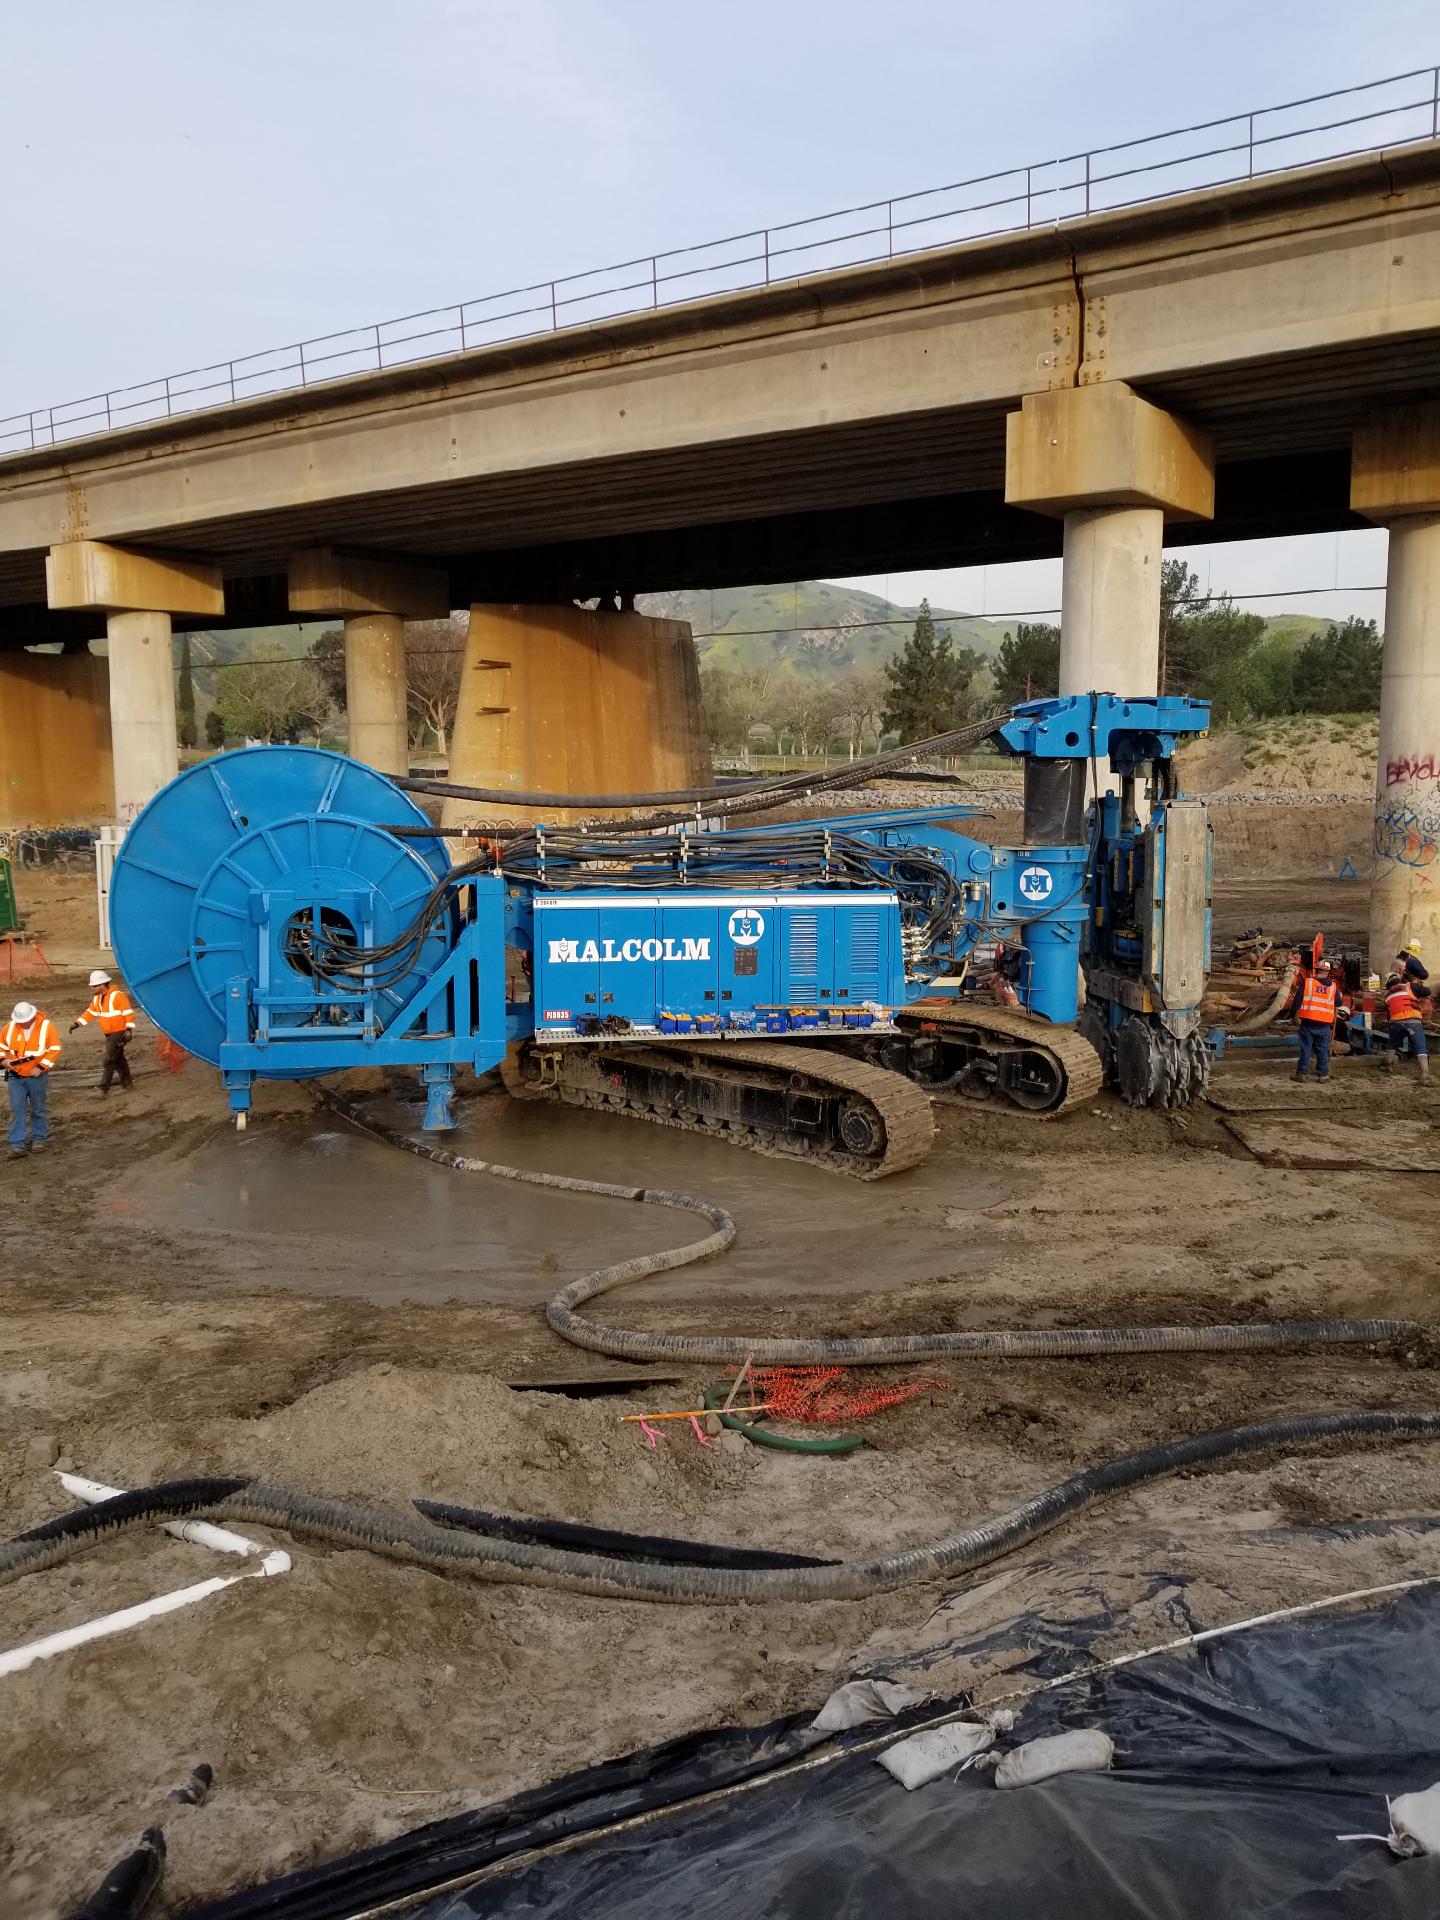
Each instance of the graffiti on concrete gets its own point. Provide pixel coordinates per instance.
(1405, 768)
(1407, 834)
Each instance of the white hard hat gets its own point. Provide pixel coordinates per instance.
(22, 1013)
(99, 979)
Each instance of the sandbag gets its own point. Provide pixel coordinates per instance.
(925, 1756)
(1086, 1750)
(1415, 1822)
(859, 1702)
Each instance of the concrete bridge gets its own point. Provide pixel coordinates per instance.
(1260, 358)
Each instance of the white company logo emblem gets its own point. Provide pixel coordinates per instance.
(747, 927)
(592, 952)
(1036, 883)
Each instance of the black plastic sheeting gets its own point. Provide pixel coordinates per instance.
(1237, 1766)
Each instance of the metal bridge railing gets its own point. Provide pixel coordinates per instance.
(1376, 115)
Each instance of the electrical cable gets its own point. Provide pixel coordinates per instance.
(721, 798)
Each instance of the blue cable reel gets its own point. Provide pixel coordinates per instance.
(222, 888)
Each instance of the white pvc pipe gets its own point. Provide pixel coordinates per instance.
(199, 1532)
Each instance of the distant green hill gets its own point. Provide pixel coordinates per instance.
(1295, 628)
(812, 628)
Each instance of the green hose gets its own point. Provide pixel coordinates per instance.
(782, 1442)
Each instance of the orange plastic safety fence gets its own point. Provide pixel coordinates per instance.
(171, 1058)
(820, 1397)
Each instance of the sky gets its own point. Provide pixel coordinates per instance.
(187, 180)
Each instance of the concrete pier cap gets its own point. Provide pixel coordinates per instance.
(374, 594)
(1114, 467)
(138, 593)
(1395, 480)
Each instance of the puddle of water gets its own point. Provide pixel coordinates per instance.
(322, 1209)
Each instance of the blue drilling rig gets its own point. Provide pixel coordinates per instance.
(284, 912)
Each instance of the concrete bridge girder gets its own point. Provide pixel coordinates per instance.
(1248, 309)
(1250, 312)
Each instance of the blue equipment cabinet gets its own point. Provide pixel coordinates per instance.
(729, 956)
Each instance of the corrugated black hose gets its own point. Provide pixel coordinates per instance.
(400, 1536)
(861, 1351)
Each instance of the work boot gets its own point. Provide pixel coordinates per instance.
(1322, 1076)
(1391, 1061)
(17, 1153)
(1424, 1065)
(1297, 1076)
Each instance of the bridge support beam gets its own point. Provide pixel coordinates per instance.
(1114, 467)
(1395, 479)
(374, 595)
(562, 699)
(138, 593)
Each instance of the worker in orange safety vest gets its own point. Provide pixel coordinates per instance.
(1319, 1008)
(1404, 1012)
(111, 1010)
(29, 1048)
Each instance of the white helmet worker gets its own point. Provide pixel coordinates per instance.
(99, 979)
(22, 1013)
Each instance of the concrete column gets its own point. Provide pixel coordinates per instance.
(375, 691)
(1110, 600)
(1115, 468)
(374, 594)
(138, 593)
(54, 740)
(1395, 479)
(1405, 887)
(142, 709)
(563, 699)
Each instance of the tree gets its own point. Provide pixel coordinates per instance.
(929, 683)
(1339, 671)
(725, 721)
(807, 710)
(1212, 658)
(434, 657)
(859, 702)
(328, 653)
(188, 732)
(214, 729)
(273, 697)
(1180, 598)
(1272, 678)
(1027, 667)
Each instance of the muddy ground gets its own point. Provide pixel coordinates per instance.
(306, 1303)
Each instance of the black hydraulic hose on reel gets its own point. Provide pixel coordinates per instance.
(724, 796)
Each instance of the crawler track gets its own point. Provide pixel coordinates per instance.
(1071, 1071)
(779, 1098)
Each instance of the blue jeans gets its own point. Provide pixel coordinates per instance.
(1407, 1036)
(27, 1103)
(1315, 1038)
